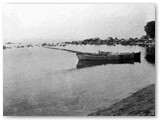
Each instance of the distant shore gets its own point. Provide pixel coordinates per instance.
(140, 103)
(144, 41)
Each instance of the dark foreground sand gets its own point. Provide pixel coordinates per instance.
(140, 103)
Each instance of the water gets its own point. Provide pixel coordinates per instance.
(39, 81)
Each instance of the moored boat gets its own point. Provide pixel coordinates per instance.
(109, 56)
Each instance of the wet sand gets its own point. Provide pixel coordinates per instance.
(140, 103)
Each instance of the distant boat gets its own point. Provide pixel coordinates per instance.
(108, 56)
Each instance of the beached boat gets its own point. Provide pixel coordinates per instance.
(107, 56)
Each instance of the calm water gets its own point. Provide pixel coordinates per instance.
(39, 81)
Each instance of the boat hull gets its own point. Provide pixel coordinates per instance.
(108, 57)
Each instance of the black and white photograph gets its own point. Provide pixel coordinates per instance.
(79, 59)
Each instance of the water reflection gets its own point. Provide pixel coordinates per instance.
(83, 64)
(137, 57)
(150, 54)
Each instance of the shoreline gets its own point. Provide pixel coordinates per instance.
(144, 41)
(140, 103)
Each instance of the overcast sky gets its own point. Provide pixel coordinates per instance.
(66, 22)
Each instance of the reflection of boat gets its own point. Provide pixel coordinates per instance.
(85, 63)
(103, 56)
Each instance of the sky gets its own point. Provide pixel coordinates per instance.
(67, 22)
